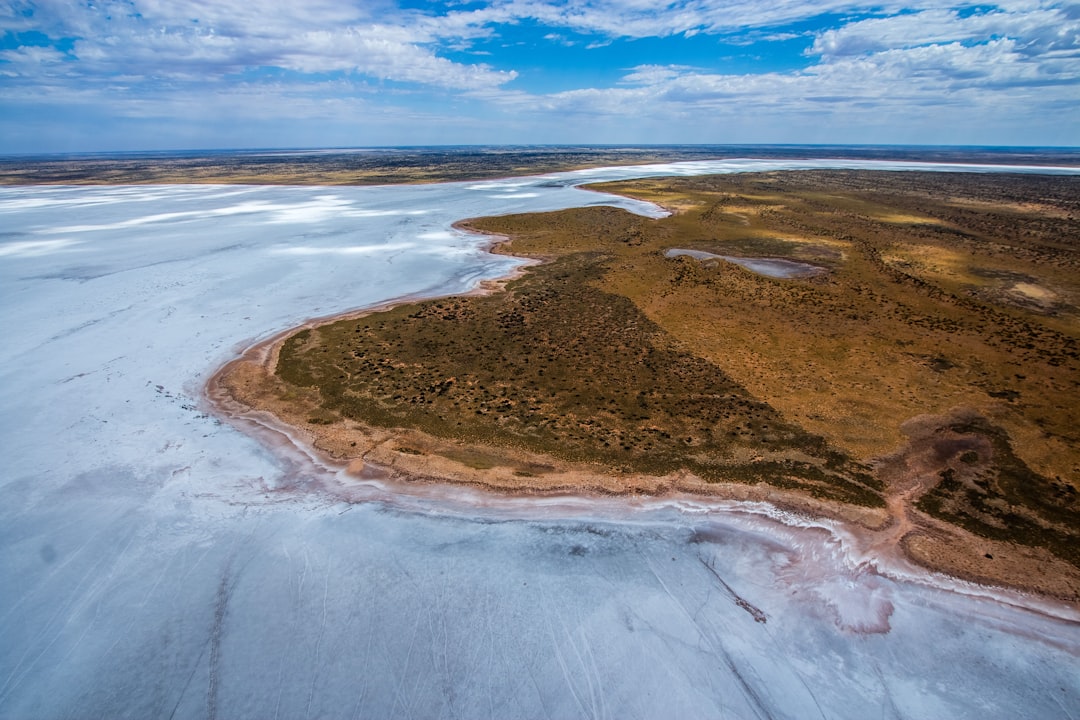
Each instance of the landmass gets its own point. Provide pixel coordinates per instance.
(375, 166)
(897, 350)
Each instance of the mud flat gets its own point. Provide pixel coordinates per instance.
(769, 267)
(902, 388)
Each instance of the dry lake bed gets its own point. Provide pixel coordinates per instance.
(159, 561)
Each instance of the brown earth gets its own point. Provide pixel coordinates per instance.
(907, 391)
(248, 387)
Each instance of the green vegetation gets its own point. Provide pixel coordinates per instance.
(942, 291)
(556, 366)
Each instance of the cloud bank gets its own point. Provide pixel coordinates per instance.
(373, 72)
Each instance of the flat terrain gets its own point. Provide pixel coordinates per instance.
(442, 164)
(364, 167)
(923, 381)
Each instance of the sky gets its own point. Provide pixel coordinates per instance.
(99, 75)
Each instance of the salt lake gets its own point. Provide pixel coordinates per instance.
(159, 562)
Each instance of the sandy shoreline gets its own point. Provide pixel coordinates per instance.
(247, 392)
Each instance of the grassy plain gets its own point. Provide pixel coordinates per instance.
(934, 368)
(362, 167)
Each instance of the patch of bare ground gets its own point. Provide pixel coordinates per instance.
(963, 449)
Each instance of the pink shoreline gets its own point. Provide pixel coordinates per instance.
(307, 464)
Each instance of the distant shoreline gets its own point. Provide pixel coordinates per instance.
(388, 166)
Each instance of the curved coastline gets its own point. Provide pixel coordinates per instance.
(164, 554)
(886, 542)
(859, 546)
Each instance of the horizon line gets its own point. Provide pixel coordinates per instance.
(374, 148)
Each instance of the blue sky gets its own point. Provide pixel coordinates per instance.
(92, 75)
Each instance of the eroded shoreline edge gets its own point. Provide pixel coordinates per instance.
(884, 541)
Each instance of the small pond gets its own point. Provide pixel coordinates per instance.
(770, 267)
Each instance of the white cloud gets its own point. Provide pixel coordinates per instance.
(897, 82)
(994, 60)
(646, 18)
(366, 61)
(1039, 29)
(654, 74)
(32, 55)
(30, 62)
(209, 41)
(386, 54)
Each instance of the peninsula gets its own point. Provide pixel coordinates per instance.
(898, 350)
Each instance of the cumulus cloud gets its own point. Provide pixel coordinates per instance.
(897, 81)
(654, 74)
(1039, 29)
(646, 18)
(213, 40)
(207, 40)
(347, 58)
(898, 63)
(29, 61)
